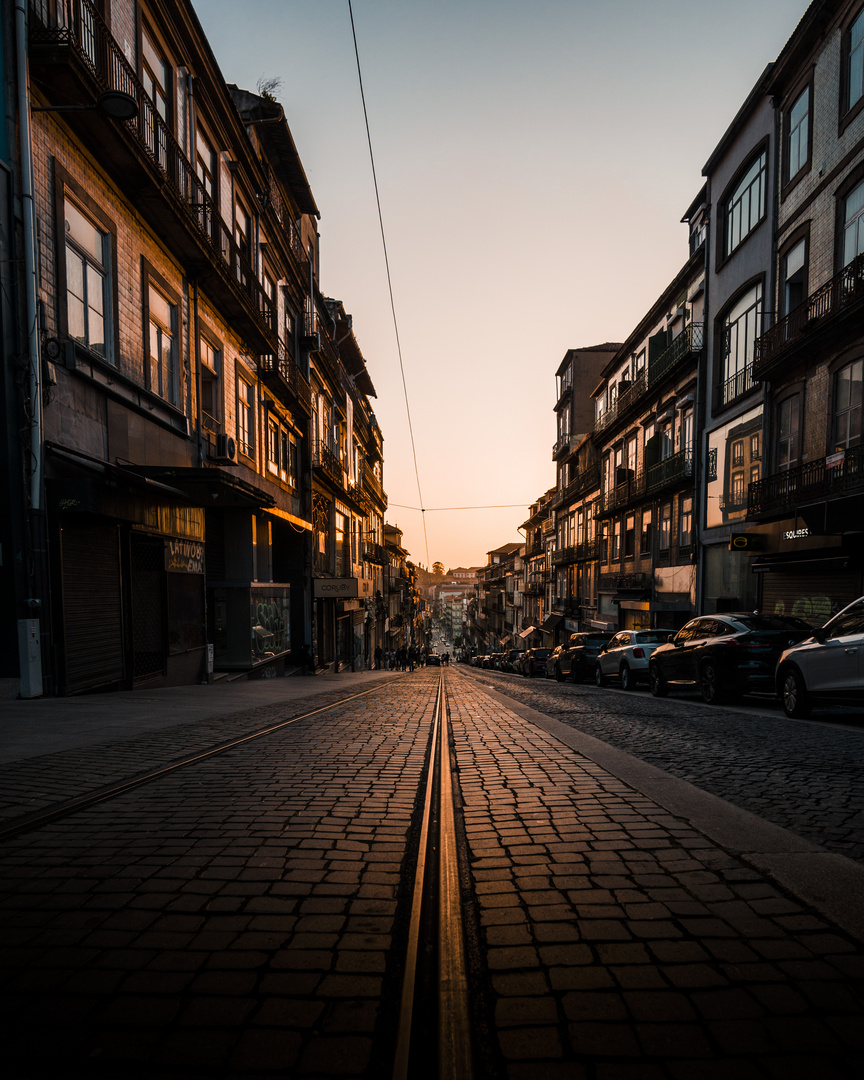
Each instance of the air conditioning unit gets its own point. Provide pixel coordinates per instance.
(225, 450)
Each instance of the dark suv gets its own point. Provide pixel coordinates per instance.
(578, 660)
(725, 656)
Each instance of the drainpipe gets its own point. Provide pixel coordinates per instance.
(34, 368)
(197, 359)
(29, 629)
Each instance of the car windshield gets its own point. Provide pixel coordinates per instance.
(541, 654)
(597, 639)
(654, 637)
(773, 622)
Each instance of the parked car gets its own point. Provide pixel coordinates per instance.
(726, 655)
(828, 667)
(626, 656)
(510, 660)
(534, 662)
(433, 660)
(577, 659)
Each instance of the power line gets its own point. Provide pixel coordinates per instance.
(389, 279)
(437, 509)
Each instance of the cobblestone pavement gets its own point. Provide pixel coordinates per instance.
(619, 942)
(806, 776)
(232, 919)
(246, 917)
(32, 783)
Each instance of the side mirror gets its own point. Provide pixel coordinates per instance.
(821, 635)
(672, 640)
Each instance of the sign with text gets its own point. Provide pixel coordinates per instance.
(336, 588)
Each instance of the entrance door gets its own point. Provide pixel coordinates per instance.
(148, 606)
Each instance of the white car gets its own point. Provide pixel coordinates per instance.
(625, 657)
(827, 668)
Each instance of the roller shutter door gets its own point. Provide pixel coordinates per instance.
(814, 597)
(92, 606)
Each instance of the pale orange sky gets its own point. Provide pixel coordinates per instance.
(534, 161)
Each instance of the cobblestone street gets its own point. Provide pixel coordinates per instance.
(247, 914)
(803, 775)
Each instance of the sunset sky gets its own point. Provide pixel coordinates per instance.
(534, 159)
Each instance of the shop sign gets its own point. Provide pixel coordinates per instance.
(833, 461)
(336, 588)
(184, 557)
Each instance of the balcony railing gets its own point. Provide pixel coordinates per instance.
(374, 553)
(279, 368)
(687, 344)
(325, 459)
(626, 400)
(842, 295)
(587, 480)
(810, 482)
(623, 494)
(563, 445)
(77, 26)
(677, 467)
(736, 385)
(564, 555)
(373, 484)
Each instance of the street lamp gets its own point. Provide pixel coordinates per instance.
(115, 104)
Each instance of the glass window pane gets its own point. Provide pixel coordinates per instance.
(83, 232)
(74, 275)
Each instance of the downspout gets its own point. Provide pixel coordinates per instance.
(699, 413)
(34, 363)
(197, 359)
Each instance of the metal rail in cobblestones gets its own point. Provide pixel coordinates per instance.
(71, 806)
(436, 885)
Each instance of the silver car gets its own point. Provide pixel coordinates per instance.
(827, 668)
(625, 657)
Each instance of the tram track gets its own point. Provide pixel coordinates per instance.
(435, 1006)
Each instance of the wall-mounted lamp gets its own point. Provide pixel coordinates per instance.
(115, 104)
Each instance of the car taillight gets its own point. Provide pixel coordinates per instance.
(639, 653)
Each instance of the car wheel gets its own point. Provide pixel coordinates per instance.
(599, 677)
(626, 676)
(656, 683)
(558, 676)
(795, 701)
(710, 685)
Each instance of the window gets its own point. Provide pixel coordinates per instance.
(798, 135)
(687, 430)
(246, 417)
(616, 540)
(736, 490)
(205, 163)
(794, 277)
(630, 536)
(88, 281)
(847, 405)
(741, 327)
(163, 375)
(632, 444)
(156, 79)
(604, 543)
(647, 533)
(853, 225)
(788, 414)
(211, 384)
(290, 332)
(738, 453)
(685, 528)
(855, 63)
(665, 526)
(755, 447)
(745, 207)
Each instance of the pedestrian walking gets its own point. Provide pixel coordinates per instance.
(378, 655)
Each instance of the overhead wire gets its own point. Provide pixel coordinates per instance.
(389, 278)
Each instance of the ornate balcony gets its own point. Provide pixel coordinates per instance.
(669, 471)
(281, 373)
(627, 400)
(373, 486)
(564, 445)
(783, 493)
(687, 345)
(324, 459)
(826, 309)
(74, 57)
(736, 385)
(623, 494)
(374, 553)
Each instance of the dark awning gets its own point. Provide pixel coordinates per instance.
(551, 622)
(631, 594)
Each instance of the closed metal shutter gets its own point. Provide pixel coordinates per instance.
(814, 597)
(92, 606)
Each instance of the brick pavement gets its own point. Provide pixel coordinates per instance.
(802, 775)
(620, 942)
(231, 920)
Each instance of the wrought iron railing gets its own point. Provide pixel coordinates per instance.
(282, 364)
(325, 459)
(626, 400)
(374, 553)
(688, 343)
(77, 25)
(843, 293)
(584, 481)
(736, 385)
(372, 483)
(676, 467)
(824, 478)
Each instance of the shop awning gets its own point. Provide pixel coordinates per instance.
(551, 622)
(631, 594)
(525, 633)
